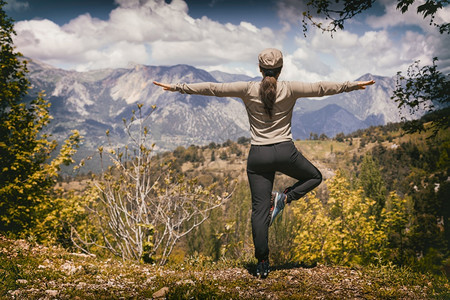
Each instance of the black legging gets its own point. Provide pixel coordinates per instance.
(262, 163)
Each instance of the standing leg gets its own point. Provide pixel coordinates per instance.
(261, 188)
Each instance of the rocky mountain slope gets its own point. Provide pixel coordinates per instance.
(96, 101)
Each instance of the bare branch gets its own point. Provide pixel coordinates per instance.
(136, 204)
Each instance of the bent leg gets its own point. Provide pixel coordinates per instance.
(308, 176)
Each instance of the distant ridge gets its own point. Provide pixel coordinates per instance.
(95, 101)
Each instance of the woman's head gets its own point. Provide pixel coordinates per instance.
(270, 58)
(270, 65)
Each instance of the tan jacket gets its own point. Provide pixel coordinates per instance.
(265, 130)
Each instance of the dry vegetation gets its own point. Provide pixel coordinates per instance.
(31, 271)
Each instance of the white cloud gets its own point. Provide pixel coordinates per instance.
(347, 56)
(214, 44)
(394, 17)
(305, 64)
(443, 15)
(159, 33)
(151, 32)
(75, 46)
(340, 40)
(384, 49)
(423, 44)
(44, 39)
(290, 11)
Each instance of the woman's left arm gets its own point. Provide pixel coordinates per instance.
(326, 88)
(362, 84)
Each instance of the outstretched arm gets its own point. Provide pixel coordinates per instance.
(230, 89)
(165, 86)
(326, 88)
(362, 84)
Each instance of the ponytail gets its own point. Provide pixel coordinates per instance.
(268, 88)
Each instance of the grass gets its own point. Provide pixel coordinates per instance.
(31, 271)
(321, 150)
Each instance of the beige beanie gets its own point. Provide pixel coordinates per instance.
(270, 58)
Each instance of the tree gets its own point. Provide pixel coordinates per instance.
(313, 136)
(338, 12)
(372, 183)
(314, 230)
(243, 140)
(423, 88)
(339, 231)
(396, 217)
(27, 175)
(223, 155)
(323, 137)
(228, 233)
(357, 236)
(141, 209)
(340, 137)
(421, 85)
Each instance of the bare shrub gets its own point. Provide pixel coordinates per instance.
(140, 208)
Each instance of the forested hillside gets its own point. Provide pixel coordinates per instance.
(379, 220)
(384, 199)
(387, 192)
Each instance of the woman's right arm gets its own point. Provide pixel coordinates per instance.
(165, 86)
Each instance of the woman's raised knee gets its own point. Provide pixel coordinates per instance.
(318, 177)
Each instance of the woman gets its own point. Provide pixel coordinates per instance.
(269, 106)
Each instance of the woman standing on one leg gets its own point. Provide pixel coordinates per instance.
(269, 106)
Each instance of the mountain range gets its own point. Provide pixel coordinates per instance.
(95, 101)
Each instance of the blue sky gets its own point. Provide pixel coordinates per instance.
(223, 35)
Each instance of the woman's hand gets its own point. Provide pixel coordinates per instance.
(362, 84)
(165, 86)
